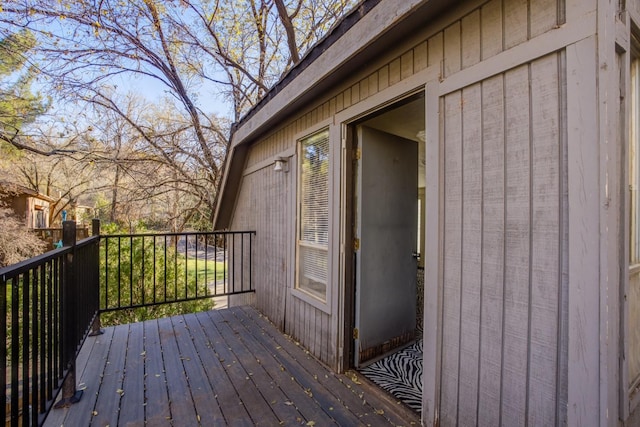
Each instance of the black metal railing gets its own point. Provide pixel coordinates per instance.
(145, 270)
(51, 303)
(46, 306)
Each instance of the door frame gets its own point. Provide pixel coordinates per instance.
(426, 82)
(349, 146)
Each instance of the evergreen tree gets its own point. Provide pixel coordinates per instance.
(18, 104)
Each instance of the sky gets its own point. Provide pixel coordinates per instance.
(155, 91)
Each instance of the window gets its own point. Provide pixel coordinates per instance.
(313, 215)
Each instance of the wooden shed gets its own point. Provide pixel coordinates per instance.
(27, 204)
(465, 173)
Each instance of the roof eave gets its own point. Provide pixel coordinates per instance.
(332, 60)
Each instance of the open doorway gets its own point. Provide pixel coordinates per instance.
(387, 225)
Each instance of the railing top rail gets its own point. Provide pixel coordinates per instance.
(28, 264)
(86, 241)
(185, 233)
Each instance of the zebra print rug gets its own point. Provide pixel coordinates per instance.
(400, 374)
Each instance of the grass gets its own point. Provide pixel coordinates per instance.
(204, 270)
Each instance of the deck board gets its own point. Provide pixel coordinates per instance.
(223, 367)
(252, 399)
(269, 390)
(110, 392)
(156, 395)
(201, 392)
(367, 404)
(181, 406)
(287, 390)
(223, 392)
(132, 402)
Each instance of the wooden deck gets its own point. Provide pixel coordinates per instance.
(222, 367)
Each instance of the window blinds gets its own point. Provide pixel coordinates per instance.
(313, 231)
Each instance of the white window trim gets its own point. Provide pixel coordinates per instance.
(323, 305)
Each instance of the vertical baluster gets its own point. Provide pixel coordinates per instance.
(44, 338)
(130, 270)
(215, 264)
(186, 265)
(25, 354)
(51, 339)
(196, 264)
(165, 267)
(250, 261)
(15, 349)
(106, 272)
(4, 284)
(142, 284)
(119, 284)
(154, 269)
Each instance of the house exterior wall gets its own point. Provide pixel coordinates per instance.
(27, 208)
(524, 204)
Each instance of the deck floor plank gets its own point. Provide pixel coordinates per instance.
(223, 367)
(90, 364)
(259, 410)
(155, 382)
(367, 402)
(108, 403)
(278, 391)
(201, 391)
(266, 350)
(132, 403)
(223, 392)
(344, 412)
(179, 396)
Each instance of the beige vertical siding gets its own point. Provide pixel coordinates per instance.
(261, 207)
(498, 241)
(634, 332)
(502, 254)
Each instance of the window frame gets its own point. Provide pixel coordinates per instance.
(322, 303)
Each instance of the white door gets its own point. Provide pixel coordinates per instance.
(386, 226)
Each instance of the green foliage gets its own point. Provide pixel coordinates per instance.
(152, 270)
(18, 104)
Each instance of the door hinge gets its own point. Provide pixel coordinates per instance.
(355, 333)
(356, 244)
(357, 153)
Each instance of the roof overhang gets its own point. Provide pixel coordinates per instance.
(372, 27)
(12, 188)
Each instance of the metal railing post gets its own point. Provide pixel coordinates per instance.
(96, 327)
(68, 312)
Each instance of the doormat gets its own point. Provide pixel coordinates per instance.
(400, 374)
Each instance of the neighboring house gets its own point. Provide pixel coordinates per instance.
(499, 140)
(28, 204)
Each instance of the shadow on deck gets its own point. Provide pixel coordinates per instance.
(222, 367)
